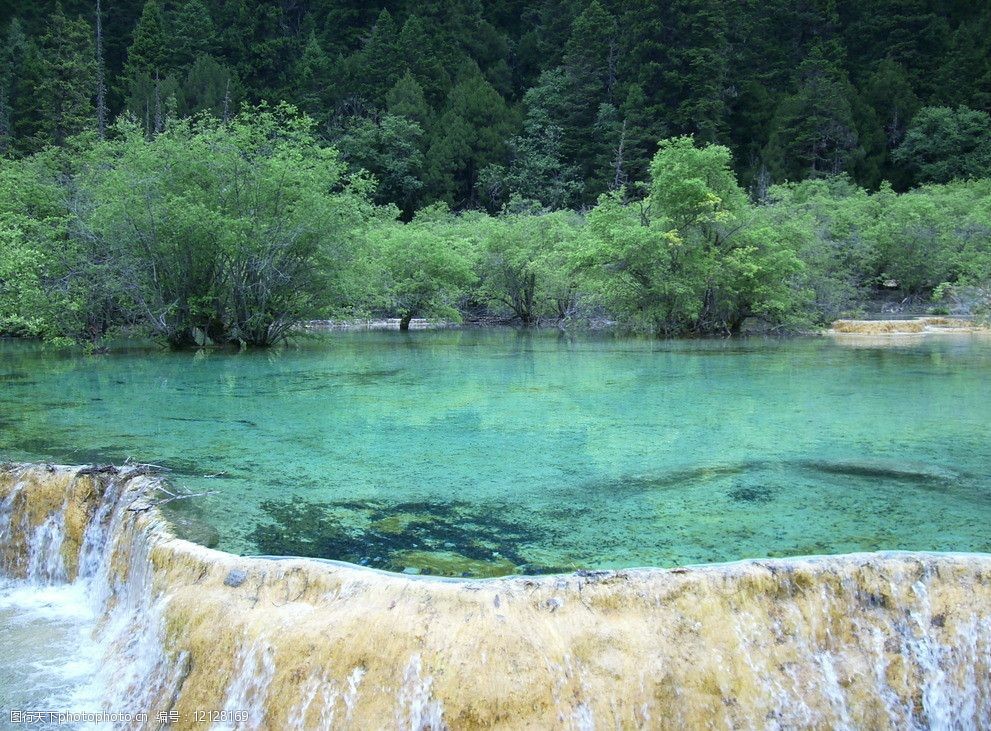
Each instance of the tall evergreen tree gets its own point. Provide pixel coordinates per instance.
(814, 132)
(424, 60)
(18, 69)
(391, 149)
(374, 69)
(965, 74)
(889, 92)
(194, 34)
(944, 144)
(910, 32)
(406, 99)
(536, 172)
(209, 86)
(101, 75)
(676, 52)
(591, 47)
(150, 52)
(66, 81)
(312, 75)
(697, 80)
(472, 133)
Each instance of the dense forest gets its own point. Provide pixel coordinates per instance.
(557, 101)
(218, 171)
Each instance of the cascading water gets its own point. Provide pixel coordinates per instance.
(103, 610)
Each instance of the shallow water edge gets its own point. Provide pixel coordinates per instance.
(889, 640)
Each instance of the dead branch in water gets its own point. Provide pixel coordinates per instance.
(144, 467)
(170, 496)
(98, 469)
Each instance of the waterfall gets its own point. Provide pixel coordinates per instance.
(887, 640)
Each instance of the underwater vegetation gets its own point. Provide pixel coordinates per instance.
(883, 470)
(443, 538)
(752, 494)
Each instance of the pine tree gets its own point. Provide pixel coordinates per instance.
(209, 86)
(66, 79)
(147, 78)
(418, 49)
(677, 53)
(814, 132)
(913, 33)
(471, 134)
(697, 81)
(392, 150)
(406, 99)
(375, 68)
(889, 93)
(101, 75)
(966, 71)
(312, 76)
(150, 51)
(944, 144)
(194, 34)
(609, 161)
(18, 61)
(536, 172)
(591, 48)
(643, 132)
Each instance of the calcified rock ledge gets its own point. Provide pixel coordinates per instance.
(370, 324)
(888, 640)
(918, 326)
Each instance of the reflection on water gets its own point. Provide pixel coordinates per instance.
(489, 452)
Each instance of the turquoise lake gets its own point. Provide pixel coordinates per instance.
(487, 452)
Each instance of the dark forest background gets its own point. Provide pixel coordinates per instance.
(556, 101)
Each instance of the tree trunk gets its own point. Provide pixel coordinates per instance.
(404, 323)
(101, 84)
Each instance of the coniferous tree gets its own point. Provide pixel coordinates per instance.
(604, 76)
(392, 150)
(312, 74)
(406, 99)
(18, 68)
(418, 50)
(966, 72)
(697, 80)
(148, 83)
(150, 51)
(814, 132)
(944, 144)
(379, 63)
(66, 82)
(101, 75)
(642, 134)
(194, 34)
(909, 32)
(472, 133)
(536, 172)
(209, 86)
(889, 92)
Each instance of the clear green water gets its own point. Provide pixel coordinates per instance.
(488, 452)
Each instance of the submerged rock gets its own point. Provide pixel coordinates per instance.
(881, 469)
(447, 539)
(195, 530)
(449, 563)
(235, 578)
